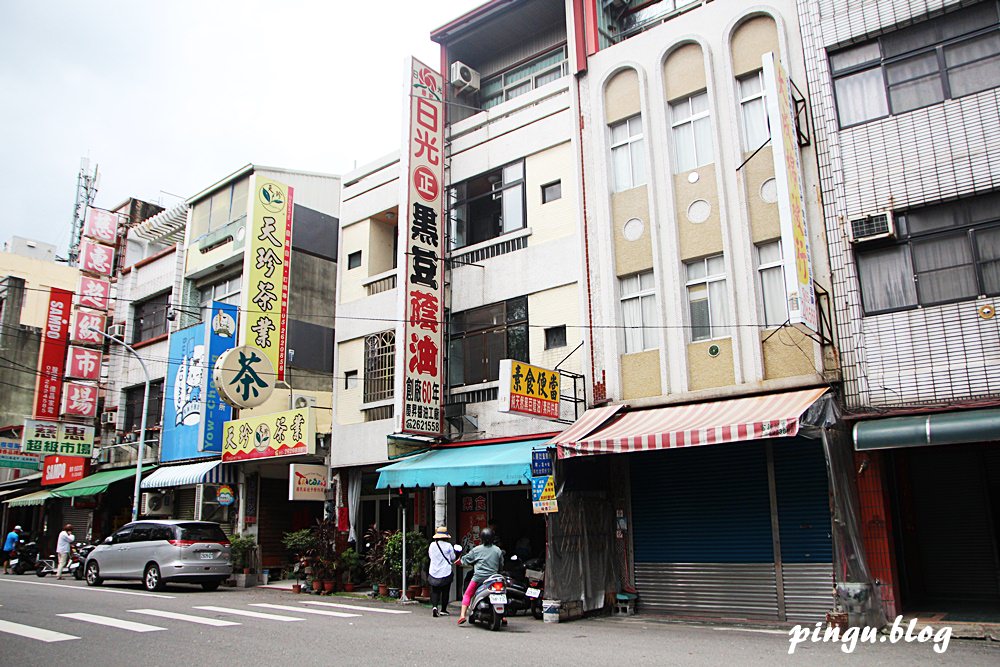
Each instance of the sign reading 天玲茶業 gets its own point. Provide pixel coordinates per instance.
(289, 433)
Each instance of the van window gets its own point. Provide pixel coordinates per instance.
(122, 535)
(201, 532)
(161, 533)
(141, 533)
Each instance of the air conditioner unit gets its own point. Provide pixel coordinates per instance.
(157, 504)
(110, 418)
(303, 401)
(464, 78)
(117, 330)
(875, 226)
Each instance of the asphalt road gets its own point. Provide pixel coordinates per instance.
(121, 624)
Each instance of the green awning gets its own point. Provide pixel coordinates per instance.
(91, 485)
(942, 428)
(36, 498)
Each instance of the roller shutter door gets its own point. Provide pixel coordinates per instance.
(184, 503)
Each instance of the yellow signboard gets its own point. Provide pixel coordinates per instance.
(528, 390)
(266, 270)
(289, 433)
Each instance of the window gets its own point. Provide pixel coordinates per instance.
(133, 406)
(753, 110)
(149, 318)
(938, 59)
(141, 533)
(226, 291)
(707, 300)
(555, 337)
(628, 154)
(551, 192)
(523, 78)
(354, 260)
(310, 346)
(161, 533)
(771, 282)
(942, 253)
(226, 205)
(691, 127)
(350, 380)
(638, 297)
(122, 535)
(481, 337)
(380, 359)
(484, 207)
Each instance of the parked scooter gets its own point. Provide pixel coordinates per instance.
(46, 566)
(524, 586)
(78, 557)
(26, 558)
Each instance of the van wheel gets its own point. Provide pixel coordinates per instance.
(210, 585)
(152, 579)
(93, 574)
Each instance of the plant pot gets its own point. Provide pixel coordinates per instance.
(425, 591)
(328, 586)
(383, 590)
(413, 591)
(317, 585)
(349, 587)
(393, 592)
(296, 588)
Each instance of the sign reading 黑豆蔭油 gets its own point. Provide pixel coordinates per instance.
(49, 437)
(528, 390)
(266, 270)
(288, 433)
(244, 376)
(52, 354)
(13, 456)
(307, 482)
(420, 337)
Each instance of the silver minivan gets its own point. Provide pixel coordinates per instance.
(157, 552)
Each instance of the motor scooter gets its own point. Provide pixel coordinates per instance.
(489, 603)
(78, 557)
(25, 557)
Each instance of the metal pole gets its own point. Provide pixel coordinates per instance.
(142, 424)
(402, 593)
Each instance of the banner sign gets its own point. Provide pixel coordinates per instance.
(93, 293)
(528, 390)
(543, 495)
(101, 225)
(541, 463)
(419, 367)
(46, 437)
(221, 332)
(289, 433)
(83, 323)
(52, 355)
(79, 400)
(13, 456)
(61, 469)
(83, 363)
(802, 307)
(307, 482)
(184, 403)
(266, 270)
(96, 258)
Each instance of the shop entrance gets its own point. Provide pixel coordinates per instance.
(946, 501)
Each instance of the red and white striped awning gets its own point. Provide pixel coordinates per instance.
(604, 431)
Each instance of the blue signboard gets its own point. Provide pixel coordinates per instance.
(221, 337)
(537, 487)
(184, 402)
(541, 463)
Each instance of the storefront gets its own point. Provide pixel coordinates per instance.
(191, 491)
(101, 501)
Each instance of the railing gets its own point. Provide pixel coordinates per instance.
(381, 284)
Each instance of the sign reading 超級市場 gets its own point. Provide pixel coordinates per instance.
(288, 433)
(46, 437)
(266, 270)
(420, 336)
(528, 390)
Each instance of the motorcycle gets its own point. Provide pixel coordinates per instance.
(489, 603)
(525, 586)
(534, 570)
(26, 557)
(78, 557)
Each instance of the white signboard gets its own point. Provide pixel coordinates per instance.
(307, 482)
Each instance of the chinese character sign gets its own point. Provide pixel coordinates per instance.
(96, 258)
(41, 438)
(528, 390)
(791, 198)
(12, 456)
(289, 433)
(84, 323)
(266, 270)
(93, 293)
(421, 246)
(52, 355)
(244, 376)
(101, 225)
(79, 400)
(83, 363)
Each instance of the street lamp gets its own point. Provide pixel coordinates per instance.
(142, 424)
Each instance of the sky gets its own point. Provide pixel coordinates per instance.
(167, 97)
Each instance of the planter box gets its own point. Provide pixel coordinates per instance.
(244, 580)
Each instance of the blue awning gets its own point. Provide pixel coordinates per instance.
(211, 471)
(475, 465)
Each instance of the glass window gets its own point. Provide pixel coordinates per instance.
(521, 79)
(691, 127)
(551, 192)
(555, 337)
(161, 533)
(122, 534)
(149, 318)
(487, 206)
(226, 291)
(708, 302)
(380, 355)
(201, 532)
(354, 260)
(753, 109)
(628, 154)
(350, 380)
(640, 319)
(141, 533)
(771, 282)
(133, 406)
(481, 337)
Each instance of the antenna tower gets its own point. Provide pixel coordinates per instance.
(86, 190)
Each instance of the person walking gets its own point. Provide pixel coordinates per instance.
(441, 572)
(487, 559)
(10, 547)
(63, 545)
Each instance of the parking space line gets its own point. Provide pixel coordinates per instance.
(300, 610)
(184, 617)
(112, 622)
(356, 607)
(31, 632)
(251, 614)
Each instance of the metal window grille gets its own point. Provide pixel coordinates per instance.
(380, 353)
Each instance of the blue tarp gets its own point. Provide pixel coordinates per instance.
(474, 465)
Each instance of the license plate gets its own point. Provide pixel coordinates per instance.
(207, 555)
(532, 592)
(498, 598)
(13, 562)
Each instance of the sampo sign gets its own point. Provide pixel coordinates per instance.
(62, 469)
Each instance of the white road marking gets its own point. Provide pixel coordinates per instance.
(92, 589)
(300, 610)
(760, 630)
(184, 617)
(251, 614)
(354, 606)
(41, 634)
(112, 622)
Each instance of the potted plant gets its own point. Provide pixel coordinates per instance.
(418, 561)
(243, 548)
(375, 559)
(299, 568)
(350, 560)
(299, 542)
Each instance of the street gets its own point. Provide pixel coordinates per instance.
(45, 622)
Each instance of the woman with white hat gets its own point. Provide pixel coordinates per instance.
(442, 555)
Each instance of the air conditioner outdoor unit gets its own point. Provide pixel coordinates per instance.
(879, 225)
(464, 78)
(109, 418)
(117, 330)
(157, 504)
(303, 401)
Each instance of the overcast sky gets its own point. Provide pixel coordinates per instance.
(170, 96)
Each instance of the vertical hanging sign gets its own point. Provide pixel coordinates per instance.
(421, 247)
(266, 270)
(52, 355)
(791, 198)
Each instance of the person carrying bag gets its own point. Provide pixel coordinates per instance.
(440, 571)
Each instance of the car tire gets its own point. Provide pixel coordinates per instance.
(210, 585)
(93, 574)
(152, 579)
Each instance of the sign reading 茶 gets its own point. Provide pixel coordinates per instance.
(45, 437)
(528, 390)
(244, 376)
(289, 433)
(419, 392)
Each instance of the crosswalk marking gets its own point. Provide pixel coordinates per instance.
(354, 606)
(112, 622)
(300, 610)
(184, 617)
(41, 634)
(86, 589)
(251, 614)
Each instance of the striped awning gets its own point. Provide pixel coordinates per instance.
(712, 422)
(211, 472)
(36, 498)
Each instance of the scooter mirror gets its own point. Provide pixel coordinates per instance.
(514, 557)
(458, 548)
